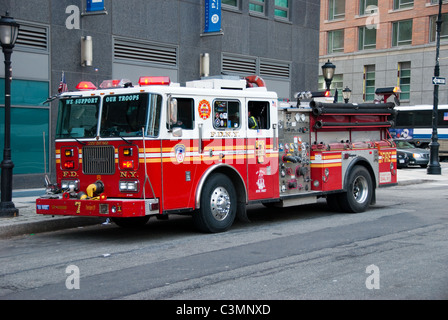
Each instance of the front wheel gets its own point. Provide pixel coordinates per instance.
(359, 191)
(218, 205)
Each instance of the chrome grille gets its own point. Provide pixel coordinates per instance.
(98, 160)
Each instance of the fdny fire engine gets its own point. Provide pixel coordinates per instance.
(211, 148)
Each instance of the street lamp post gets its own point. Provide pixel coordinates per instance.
(434, 165)
(9, 30)
(346, 94)
(328, 73)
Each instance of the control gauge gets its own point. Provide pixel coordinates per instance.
(303, 117)
(297, 116)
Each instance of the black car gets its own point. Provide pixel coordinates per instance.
(402, 159)
(417, 156)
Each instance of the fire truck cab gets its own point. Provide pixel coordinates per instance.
(209, 149)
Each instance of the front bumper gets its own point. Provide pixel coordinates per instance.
(114, 208)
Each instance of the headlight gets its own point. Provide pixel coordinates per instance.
(72, 185)
(417, 155)
(128, 186)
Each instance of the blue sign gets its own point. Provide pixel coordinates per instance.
(95, 5)
(402, 134)
(212, 16)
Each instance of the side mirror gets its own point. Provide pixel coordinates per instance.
(171, 112)
(177, 132)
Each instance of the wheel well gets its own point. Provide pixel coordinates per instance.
(364, 163)
(234, 176)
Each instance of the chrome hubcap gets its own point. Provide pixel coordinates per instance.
(220, 203)
(360, 189)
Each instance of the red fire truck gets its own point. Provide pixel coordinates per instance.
(209, 149)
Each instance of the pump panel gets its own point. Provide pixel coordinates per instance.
(294, 151)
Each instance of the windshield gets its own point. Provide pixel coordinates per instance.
(121, 116)
(404, 145)
(77, 118)
(126, 115)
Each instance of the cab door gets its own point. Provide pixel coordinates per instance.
(262, 160)
(177, 156)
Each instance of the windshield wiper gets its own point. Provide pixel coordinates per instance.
(128, 142)
(80, 142)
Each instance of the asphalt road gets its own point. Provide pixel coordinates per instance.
(396, 250)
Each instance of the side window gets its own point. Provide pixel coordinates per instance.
(185, 113)
(226, 114)
(258, 115)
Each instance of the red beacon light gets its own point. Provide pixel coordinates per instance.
(85, 85)
(154, 81)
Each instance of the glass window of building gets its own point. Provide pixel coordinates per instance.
(403, 4)
(437, 1)
(402, 33)
(367, 38)
(369, 83)
(282, 9)
(257, 6)
(433, 28)
(30, 120)
(368, 7)
(336, 9)
(235, 4)
(231, 3)
(336, 41)
(404, 80)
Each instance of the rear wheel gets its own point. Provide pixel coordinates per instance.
(359, 191)
(218, 205)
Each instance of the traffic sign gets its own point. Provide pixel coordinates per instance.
(438, 81)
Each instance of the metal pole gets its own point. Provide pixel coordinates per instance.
(434, 165)
(7, 208)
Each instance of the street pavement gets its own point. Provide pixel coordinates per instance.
(28, 222)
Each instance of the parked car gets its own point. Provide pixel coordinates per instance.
(402, 159)
(417, 156)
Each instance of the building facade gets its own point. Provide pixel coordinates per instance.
(276, 39)
(384, 43)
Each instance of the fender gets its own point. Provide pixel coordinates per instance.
(255, 79)
(364, 162)
(216, 168)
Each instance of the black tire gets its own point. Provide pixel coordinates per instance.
(359, 191)
(218, 205)
(131, 222)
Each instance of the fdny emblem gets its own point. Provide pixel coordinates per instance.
(204, 109)
(180, 153)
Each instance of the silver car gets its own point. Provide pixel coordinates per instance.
(417, 156)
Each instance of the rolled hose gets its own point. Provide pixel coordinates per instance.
(319, 108)
(322, 124)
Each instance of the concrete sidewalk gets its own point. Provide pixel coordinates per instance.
(28, 222)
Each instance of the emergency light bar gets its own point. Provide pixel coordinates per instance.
(153, 81)
(123, 83)
(86, 85)
(387, 92)
(321, 94)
